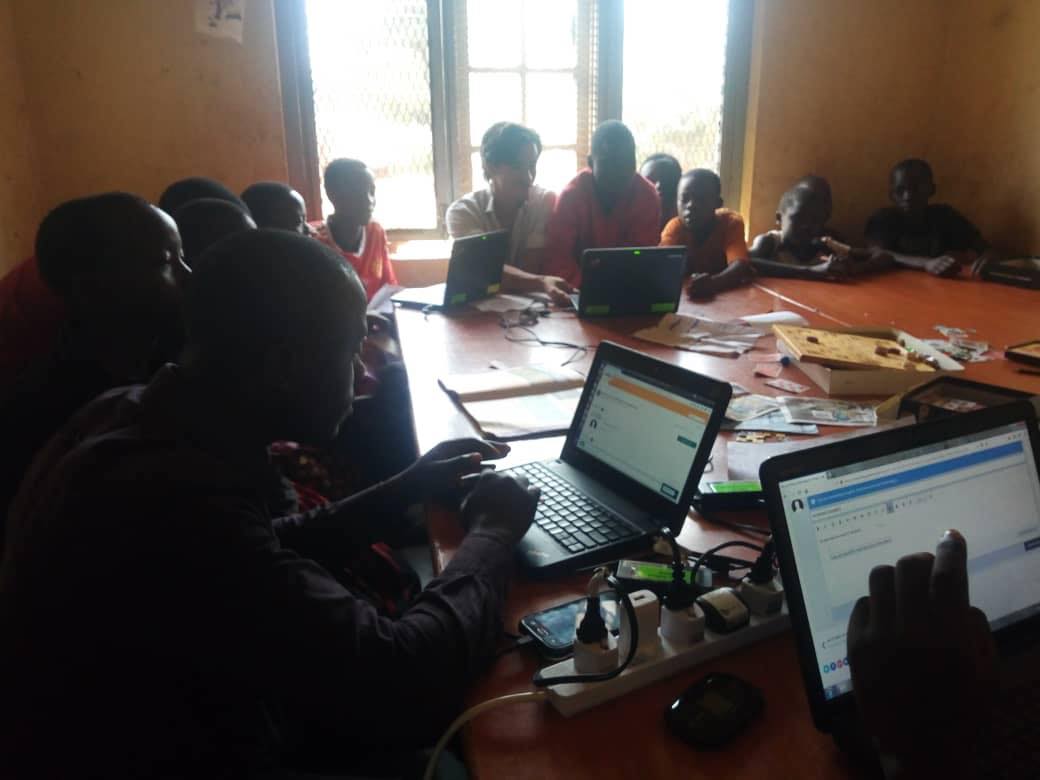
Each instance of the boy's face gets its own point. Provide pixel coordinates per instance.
(801, 222)
(663, 177)
(510, 182)
(354, 196)
(697, 202)
(613, 168)
(910, 189)
(290, 214)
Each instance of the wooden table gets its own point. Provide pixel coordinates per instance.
(627, 738)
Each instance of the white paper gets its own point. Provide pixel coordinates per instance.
(220, 18)
(748, 407)
(512, 417)
(503, 303)
(697, 334)
(827, 411)
(777, 318)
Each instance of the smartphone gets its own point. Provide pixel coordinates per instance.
(553, 628)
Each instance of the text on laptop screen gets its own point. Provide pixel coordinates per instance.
(643, 429)
(846, 521)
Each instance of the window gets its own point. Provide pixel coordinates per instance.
(410, 86)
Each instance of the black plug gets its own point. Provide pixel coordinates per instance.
(762, 569)
(592, 627)
(681, 594)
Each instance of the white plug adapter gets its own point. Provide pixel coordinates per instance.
(763, 599)
(648, 615)
(682, 626)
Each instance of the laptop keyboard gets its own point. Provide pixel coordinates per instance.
(570, 517)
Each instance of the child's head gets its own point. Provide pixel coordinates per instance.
(351, 188)
(113, 258)
(700, 194)
(822, 188)
(276, 205)
(193, 188)
(910, 185)
(206, 221)
(801, 216)
(509, 153)
(612, 159)
(664, 171)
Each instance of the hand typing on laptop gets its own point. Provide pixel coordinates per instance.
(923, 663)
(501, 505)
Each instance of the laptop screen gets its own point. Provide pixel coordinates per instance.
(845, 521)
(643, 428)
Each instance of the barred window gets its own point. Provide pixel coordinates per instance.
(410, 86)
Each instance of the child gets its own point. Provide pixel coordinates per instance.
(351, 187)
(509, 153)
(277, 205)
(716, 252)
(799, 249)
(822, 188)
(205, 221)
(193, 188)
(606, 205)
(932, 237)
(663, 171)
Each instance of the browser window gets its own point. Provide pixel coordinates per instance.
(846, 521)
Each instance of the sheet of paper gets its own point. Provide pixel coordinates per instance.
(508, 418)
(827, 411)
(771, 421)
(772, 370)
(777, 318)
(749, 406)
(738, 389)
(501, 303)
(697, 334)
(787, 385)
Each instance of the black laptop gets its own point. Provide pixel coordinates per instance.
(474, 272)
(635, 451)
(630, 280)
(837, 511)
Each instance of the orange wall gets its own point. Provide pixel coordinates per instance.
(124, 94)
(19, 209)
(986, 125)
(842, 89)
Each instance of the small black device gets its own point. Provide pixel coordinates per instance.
(730, 496)
(631, 280)
(474, 272)
(1016, 271)
(949, 395)
(714, 710)
(553, 628)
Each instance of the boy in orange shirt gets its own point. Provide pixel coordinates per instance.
(716, 252)
(351, 187)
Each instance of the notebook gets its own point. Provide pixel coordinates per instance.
(837, 511)
(474, 272)
(630, 280)
(634, 453)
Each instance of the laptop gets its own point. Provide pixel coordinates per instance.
(837, 511)
(630, 280)
(637, 446)
(474, 272)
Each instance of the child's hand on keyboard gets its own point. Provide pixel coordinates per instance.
(501, 504)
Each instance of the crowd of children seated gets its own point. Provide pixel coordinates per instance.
(239, 307)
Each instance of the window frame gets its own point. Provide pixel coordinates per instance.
(600, 40)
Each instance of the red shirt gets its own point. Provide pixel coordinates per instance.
(578, 223)
(31, 316)
(371, 261)
(724, 244)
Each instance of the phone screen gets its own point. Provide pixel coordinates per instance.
(554, 627)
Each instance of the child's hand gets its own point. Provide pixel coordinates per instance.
(837, 266)
(558, 290)
(442, 468)
(701, 286)
(944, 265)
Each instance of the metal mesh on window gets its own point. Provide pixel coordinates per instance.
(370, 66)
(672, 101)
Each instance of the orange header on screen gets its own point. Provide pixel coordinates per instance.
(656, 398)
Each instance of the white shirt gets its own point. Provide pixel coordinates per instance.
(475, 213)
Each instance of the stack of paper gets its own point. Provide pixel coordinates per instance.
(698, 334)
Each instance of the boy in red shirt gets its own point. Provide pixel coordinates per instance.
(716, 252)
(351, 187)
(606, 205)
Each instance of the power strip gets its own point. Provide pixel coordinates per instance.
(669, 659)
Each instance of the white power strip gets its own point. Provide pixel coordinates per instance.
(669, 659)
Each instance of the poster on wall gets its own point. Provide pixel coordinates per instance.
(220, 18)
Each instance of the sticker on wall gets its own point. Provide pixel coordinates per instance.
(220, 18)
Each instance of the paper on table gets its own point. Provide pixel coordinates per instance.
(777, 318)
(510, 382)
(747, 407)
(527, 415)
(697, 334)
(501, 303)
(827, 411)
(774, 422)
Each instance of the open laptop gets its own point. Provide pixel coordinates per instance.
(631, 280)
(474, 272)
(837, 511)
(635, 451)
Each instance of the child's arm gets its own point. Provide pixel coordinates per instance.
(943, 265)
(517, 280)
(737, 273)
(861, 261)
